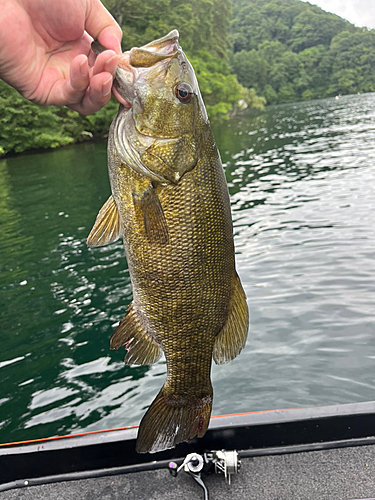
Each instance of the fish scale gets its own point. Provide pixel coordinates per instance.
(173, 212)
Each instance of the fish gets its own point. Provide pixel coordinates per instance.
(170, 204)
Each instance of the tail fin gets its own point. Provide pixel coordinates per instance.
(167, 422)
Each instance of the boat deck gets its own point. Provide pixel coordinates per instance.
(324, 453)
(345, 473)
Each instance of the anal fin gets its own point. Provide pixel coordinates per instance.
(142, 348)
(107, 227)
(150, 212)
(232, 338)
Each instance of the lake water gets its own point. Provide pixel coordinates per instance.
(302, 185)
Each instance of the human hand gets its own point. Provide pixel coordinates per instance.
(45, 49)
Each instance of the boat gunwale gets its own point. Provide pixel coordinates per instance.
(112, 451)
(263, 417)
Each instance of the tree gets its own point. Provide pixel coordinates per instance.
(288, 49)
(251, 69)
(24, 125)
(315, 27)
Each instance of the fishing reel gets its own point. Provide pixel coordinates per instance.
(223, 462)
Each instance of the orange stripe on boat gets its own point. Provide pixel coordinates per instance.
(55, 438)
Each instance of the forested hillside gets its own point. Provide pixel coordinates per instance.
(289, 50)
(203, 27)
(284, 50)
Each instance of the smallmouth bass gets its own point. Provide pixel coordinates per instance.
(170, 203)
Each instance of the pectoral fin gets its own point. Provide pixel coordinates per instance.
(232, 338)
(150, 212)
(107, 227)
(142, 348)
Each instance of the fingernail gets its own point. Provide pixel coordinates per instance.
(113, 58)
(83, 68)
(107, 86)
(110, 62)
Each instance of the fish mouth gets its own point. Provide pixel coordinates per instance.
(97, 49)
(166, 44)
(132, 62)
(138, 58)
(120, 99)
(156, 51)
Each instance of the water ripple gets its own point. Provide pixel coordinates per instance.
(301, 183)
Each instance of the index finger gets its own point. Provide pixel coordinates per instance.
(102, 26)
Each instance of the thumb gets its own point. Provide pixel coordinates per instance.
(102, 26)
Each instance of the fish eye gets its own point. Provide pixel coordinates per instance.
(183, 92)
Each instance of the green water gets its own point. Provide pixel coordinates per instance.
(301, 179)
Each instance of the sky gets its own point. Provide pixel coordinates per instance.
(358, 12)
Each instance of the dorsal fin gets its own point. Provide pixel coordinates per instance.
(107, 227)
